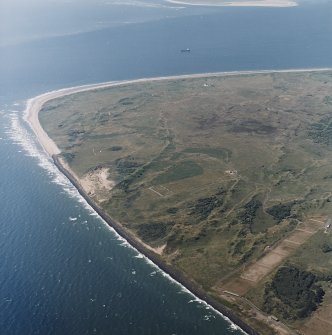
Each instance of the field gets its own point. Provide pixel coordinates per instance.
(226, 175)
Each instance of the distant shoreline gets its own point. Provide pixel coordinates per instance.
(244, 3)
(32, 110)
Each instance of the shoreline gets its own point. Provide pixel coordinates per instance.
(35, 104)
(192, 287)
(244, 3)
(31, 112)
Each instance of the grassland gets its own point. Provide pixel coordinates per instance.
(216, 171)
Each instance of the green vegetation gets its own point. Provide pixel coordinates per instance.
(281, 211)
(249, 211)
(203, 207)
(154, 231)
(116, 148)
(314, 255)
(126, 166)
(182, 170)
(293, 293)
(321, 132)
(326, 247)
(218, 169)
(221, 153)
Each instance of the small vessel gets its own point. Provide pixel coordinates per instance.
(185, 50)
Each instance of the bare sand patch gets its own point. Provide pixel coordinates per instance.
(96, 183)
(284, 249)
(271, 260)
(299, 237)
(158, 250)
(255, 3)
(238, 286)
(255, 272)
(321, 321)
(258, 271)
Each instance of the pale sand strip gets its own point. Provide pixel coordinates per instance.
(35, 104)
(97, 181)
(221, 3)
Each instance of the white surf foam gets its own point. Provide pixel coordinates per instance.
(20, 135)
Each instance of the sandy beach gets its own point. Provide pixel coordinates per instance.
(34, 105)
(89, 182)
(219, 3)
(31, 113)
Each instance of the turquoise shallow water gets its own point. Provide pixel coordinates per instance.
(62, 270)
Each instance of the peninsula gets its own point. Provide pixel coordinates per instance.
(221, 179)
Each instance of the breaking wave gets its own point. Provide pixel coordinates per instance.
(23, 137)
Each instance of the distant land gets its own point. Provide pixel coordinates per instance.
(223, 178)
(237, 3)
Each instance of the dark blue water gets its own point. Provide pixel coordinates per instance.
(62, 270)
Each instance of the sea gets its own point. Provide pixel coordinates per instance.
(62, 269)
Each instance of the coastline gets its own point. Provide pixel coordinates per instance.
(195, 289)
(34, 105)
(244, 3)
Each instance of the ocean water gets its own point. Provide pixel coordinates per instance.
(62, 269)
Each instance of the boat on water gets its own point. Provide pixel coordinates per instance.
(185, 50)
